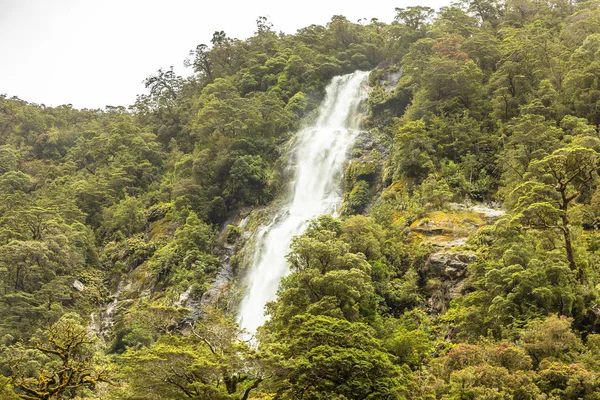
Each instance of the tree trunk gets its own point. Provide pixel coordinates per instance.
(569, 247)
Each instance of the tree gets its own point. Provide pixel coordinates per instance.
(201, 62)
(551, 338)
(56, 364)
(164, 86)
(263, 25)
(159, 106)
(486, 10)
(43, 251)
(211, 362)
(326, 278)
(6, 391)
(582, 93)
(530, 138)
(124, 218)
(9, 158)
(248, 180)
(552, 185)
(187, 258)
(414, 150)
(414, 17)
(322, 357)
(13, 181)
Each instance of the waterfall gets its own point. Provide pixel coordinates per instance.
(318, 159)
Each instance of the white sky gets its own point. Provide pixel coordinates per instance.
(93, 53)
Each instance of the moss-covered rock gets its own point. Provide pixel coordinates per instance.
(453, 223)
(362, 169)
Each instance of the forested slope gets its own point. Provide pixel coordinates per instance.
(109, 219)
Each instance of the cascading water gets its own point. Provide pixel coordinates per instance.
(318, 157)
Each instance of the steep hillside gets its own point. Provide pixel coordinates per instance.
(464, 263)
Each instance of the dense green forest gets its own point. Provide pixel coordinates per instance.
(114, 222)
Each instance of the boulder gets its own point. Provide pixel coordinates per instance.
(78, 285)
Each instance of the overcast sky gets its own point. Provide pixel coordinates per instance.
(93, 53)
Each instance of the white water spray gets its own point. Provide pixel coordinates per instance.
(318, 156)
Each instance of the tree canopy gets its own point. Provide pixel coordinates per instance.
(125, 233)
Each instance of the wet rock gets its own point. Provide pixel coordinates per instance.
(364, 142)
(217, 287)
(184, 297)
(447, 266)
(390, 80)
(234, 233)
(389, 75)
(102, 321)
(244, 222)
(461, 241)
(490, 214)
(429, 227)
(367, 142)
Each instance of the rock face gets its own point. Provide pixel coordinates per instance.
(390, 75)
(489, 212)
(102, 321)
(440, 222)
(446, 229)
(366, 142)
(390, 80)
(449, 265)
(445, 272)
(230, 244)
(224, 276)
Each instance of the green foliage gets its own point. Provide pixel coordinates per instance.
(357, 199)
(6, 389)
(43, 251)
(124, 219)
(56, 364)
(434, 193)
(144, 323)
(327, 280)
(233, 233)
(551, 338)
(414, 150)
(187, 258)
(9, 158)
(209, 363)
(248, 181)
(410, 346)
(482, 101)
(335, 358)
(13, 181)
